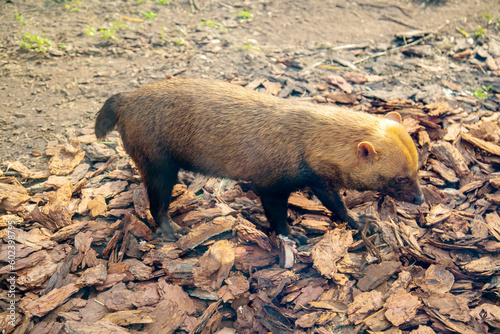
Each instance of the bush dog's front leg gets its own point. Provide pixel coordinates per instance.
(332, 200)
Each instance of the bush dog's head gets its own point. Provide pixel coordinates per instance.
(389, 164)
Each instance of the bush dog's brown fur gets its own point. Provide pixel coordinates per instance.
(279, 145)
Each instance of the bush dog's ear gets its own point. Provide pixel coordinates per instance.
(366, 151)
(394, 116)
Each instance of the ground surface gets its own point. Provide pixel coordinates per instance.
(43, 94)
(60, 60)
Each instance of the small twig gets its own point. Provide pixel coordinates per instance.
(278, 289)
(104, 167)
(463, 32)
(194, 6)
(220, 199)
(333, 68)
(345, 63)
(224, 4)
(99, 302)
(133, 19)
(310, 67)
(401, 22)
(350, 46)
(357, 14)
(383, 53)
(368, 243)
(177, 72)
(125, 242)
(405, 11)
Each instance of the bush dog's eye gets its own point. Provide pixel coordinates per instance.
(401, 179)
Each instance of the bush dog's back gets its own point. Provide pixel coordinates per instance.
(279, 145)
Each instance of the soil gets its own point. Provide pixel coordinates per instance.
(45, 95)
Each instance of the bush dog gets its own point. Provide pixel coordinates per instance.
(280, 145)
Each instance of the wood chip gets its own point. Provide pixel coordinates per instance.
(249, 257)
(101, 326)
(437, 214)
(438, 280)
(453, 131)
(97, 206)
(68, 231)
(485, 266)
(203, 321)
(87, 256)
(482, 144)
(363, 304)
(50, 301)
(129, 317)
(337, 97)
(287, 252)
(423, 330)
(214, 266)
(401, 307)
(24, 171)
(439, 261)
(272, 87)
(138, 228)
(180, 272)
(437, 108)
(206, 231)
(355, 77)
(446, 173)
(168, 317)
(377, 321)
(330, 250)
(65, 158)
(251, 234)
(308, 205)
(493, 223)
(451, 157)
(463, 54)
(377, 274)
(452, 86)
(140, 271)
(455, 326)
(487, 312)
(12, 196)
(237, 286)
(340, 82)
(255, 83)
(450, 305)
(92, 276)
(110, 189)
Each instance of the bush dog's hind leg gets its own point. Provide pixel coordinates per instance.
(276, 207)
(160, 182)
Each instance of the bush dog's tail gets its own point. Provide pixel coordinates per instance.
(107, 117)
